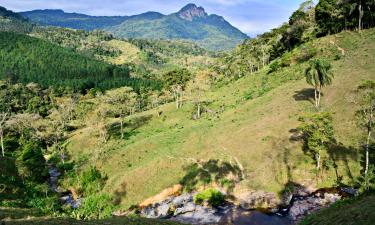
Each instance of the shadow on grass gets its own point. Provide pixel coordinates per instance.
(341, 153)
(306, 94)
(217, 172)
(337, 152)
(130, 127)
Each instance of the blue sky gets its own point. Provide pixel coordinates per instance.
(250, 16)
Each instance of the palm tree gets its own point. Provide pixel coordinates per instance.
(319, 75)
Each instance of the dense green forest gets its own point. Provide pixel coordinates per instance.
(25, 59)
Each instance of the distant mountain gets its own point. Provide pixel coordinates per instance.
(59, 18)
(190, 23)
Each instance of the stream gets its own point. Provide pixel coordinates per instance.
(66, 197)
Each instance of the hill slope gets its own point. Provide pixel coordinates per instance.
(72, 20)
(10, 21)
(190, 23)
(358, 211)
(26, 59)
(253, 130)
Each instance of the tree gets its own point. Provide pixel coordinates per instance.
(3, 118)
(365, 114)
(198, 86)
(318, 134)
(319, 75)
(121, 101)
(176, 81)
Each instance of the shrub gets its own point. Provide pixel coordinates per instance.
(91, 181)
(274, 66)
(94, 207)
(31, 163)
(212, 196)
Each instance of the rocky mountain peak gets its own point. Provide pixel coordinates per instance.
(191, 11)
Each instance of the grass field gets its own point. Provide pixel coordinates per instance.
(256, 132)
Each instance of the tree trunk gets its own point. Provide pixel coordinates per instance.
(367, 151)
(360, 10)
(319, 96)
(122, 128)
(2, 142)
(316, 97)
(369, 132)
(317, 156)
(199, 110)
(176, 98)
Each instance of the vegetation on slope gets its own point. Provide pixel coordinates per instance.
(13, 22)
(26, 59)
(116, 148)
(144, 58)
(60, 18)
(359, 211)
(259, 111)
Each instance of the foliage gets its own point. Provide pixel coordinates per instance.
(365, 117)
(334, 16)
(89, 181)
(254, 54)
(95, 207)
(357, 210)
(318, 134)
(39, 197)
(319, 74)
(26, 59)
(31, 163)
(212, 196)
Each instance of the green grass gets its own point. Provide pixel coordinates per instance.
(349, 212)
(256, 131)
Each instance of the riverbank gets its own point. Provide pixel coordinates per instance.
(183, 209)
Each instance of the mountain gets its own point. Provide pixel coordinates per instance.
(10, 21)
(51, 17)
(191, 23)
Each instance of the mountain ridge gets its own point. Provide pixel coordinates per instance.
(190, 23)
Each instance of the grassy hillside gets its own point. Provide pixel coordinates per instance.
(260, 111)
(358, 211)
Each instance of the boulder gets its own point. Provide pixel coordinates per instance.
(201, 215)
(257, 199)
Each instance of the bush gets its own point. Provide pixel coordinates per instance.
(94, 207)
(274, 66)
(212, 196)
(39, 196)
(31, 163)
